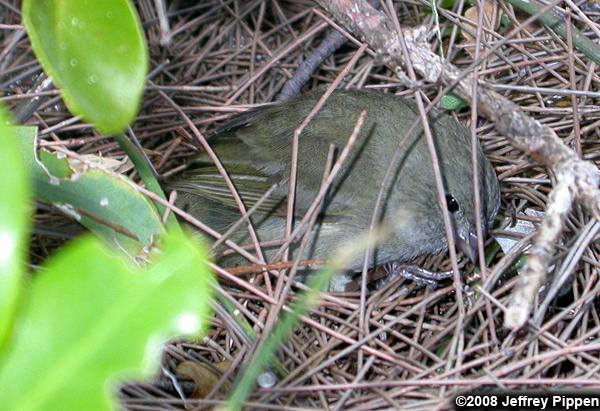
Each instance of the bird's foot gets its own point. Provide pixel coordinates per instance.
(419, 276)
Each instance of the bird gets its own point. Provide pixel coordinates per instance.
(255, 149)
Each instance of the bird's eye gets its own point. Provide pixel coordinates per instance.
(452, 203)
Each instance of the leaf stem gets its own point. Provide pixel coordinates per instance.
(144, 169)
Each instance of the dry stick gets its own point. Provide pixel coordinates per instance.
(163, 20)
(242, 309)
(414, 306)
(543, 90)
(251, 269)
(573, 81)
(582, 309)
(411, 302)
(576, 179)
(257, 39)
(525, 343)
(335, 301)
(549, 339)
(274, 60)
(334, 334)
(555, 23)
(362, 341)
(559, 358)
(215, 40)
(475, 383)
(587, 234)
(328, 46)
(238, 51)
(359, 376)
(572, 348)
(584, 17)
(332, 41)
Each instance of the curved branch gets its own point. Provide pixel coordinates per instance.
(576, 180)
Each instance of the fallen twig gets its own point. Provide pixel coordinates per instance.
(576, 180)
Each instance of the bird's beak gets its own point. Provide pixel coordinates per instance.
(467, 243)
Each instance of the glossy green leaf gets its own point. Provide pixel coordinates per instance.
(95, 51)
(14, 226)
(93, 320)
(105, 203)
(452, 102)
(59, 168)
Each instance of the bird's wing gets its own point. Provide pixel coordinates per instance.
(206, 182)
(265, 137)
(255, 149)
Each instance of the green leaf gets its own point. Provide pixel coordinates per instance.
(59, 168)
(93, 320)
(105, 203)
(14, 226)
(444, 4)
(452, 102)
(504, 21)
(95, 51)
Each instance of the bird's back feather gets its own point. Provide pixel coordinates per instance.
(255, 149)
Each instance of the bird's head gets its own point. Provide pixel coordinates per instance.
(460, 200)
(420, 215)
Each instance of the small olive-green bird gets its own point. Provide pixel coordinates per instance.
(255, 148)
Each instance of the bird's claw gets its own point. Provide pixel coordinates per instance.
(419, 276)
